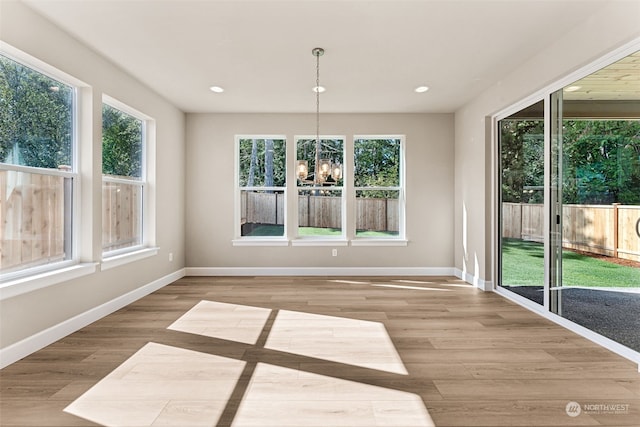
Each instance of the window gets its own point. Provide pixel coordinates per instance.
(378, 185)
(123, 179)
(261, 165)
(37, 169)
(320, 195)
(320, 187)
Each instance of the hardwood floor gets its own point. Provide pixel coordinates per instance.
(285, 351)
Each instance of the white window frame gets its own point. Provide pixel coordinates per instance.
(340, 240)
(239, 239)
(400, 239)
(145, 249)
(40, 276)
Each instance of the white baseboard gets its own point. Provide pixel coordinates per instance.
(21, 349)
(319, 271)
(485, 285)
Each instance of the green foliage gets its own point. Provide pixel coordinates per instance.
(262, 163)
(121, 143)
(377, 164)
(522, 157)
(36, 124)
(36, 118)
(601, 161)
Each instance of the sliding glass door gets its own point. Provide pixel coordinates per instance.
(599, 185)
(570, 202)
(522, 148)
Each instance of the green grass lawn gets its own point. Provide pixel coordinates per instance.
(315, 231)
(523, 265)
(278, 230)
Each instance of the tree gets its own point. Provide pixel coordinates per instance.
(377, 164)
(262, 162)
(36, 117)
(121, 143)
(252, 162)
(601, 161)
(268, 163)
(522, 160)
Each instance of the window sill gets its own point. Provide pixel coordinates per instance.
(121, 259)
(27, 284)
(319, 242)
(379, 242)
(260, 242)
(311, 241)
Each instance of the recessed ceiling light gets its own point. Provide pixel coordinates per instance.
(319, 89)
(572, 88)
(216, 89)
(422, 89)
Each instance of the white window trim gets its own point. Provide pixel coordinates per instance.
(375, 241)
(340, 240)
(400, 239)
(239, 239)
(291, 237)
(260, 241)
(33, 278)
(320, 241)
(135, 253)
(63, 272)
(114, 258)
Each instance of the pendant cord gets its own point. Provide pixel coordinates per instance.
(318, 143)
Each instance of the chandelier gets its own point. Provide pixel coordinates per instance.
(326, 172)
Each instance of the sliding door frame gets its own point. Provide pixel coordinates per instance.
(552, 247)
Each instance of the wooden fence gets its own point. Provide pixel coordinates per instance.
(377, 214)
(32, 219)
(262, 208)
(320, 211)
(612, 230)
(121, 205)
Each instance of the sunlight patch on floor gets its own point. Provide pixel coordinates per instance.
(165, 385)
(283, 397)
(161, 385)
(350, 282)
(350, 341)
(419, 288)
(457, 284)
(233, 322)
(415, 282)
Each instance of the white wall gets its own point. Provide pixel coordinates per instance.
(615, 24)
(210, 190)
(25, 315)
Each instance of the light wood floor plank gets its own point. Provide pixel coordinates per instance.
(451, 355)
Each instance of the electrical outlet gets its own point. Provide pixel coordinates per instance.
(334, 252)
(170, 256)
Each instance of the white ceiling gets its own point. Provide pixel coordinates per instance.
(377, 52)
